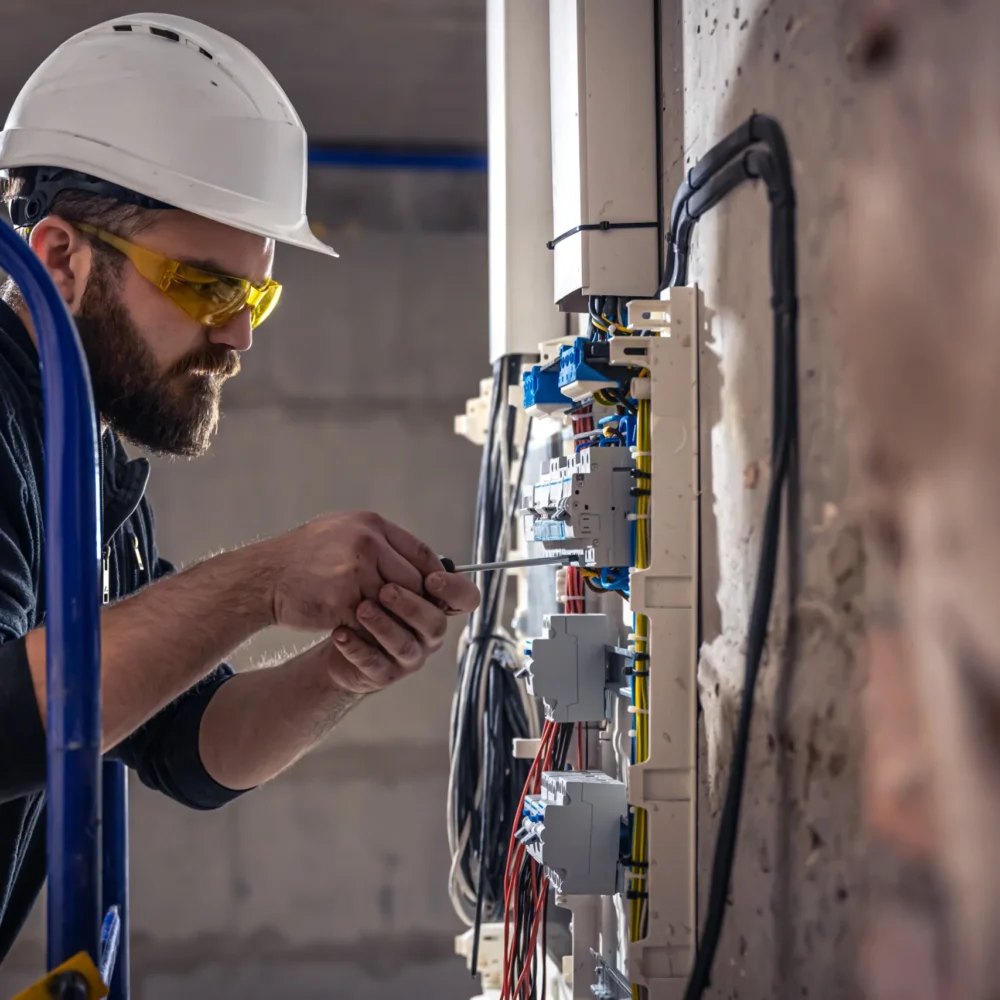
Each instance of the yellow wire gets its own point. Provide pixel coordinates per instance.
(637, 908)
(644, 464)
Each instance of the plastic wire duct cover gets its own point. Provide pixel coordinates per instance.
(567, 667)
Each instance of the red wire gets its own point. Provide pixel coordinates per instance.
(512, 871)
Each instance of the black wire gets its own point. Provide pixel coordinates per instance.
(709, 181)
(492, 711)
(756, 129)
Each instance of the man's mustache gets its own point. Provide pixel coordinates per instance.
(222, 362)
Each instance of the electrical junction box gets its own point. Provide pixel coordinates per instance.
(581, 504)
(567, 667)
(604, 173)
(519, 135)
(574, 829)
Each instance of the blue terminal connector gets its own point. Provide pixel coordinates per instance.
(577, 377)
(541, 392)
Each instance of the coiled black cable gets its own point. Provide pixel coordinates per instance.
(490, 708)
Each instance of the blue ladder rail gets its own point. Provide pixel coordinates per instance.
(76, 895)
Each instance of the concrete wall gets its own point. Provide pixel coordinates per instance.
(792, 924)
(331, 881)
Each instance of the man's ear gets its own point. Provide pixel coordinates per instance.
(67, 256)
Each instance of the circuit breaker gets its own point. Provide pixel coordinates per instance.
(567, 667)
(574, 828)
(581, 504)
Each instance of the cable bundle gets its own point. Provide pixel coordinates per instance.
(755, 151)
(490, 707)
(637, 893)
(525, 886)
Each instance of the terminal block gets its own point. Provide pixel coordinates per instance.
(582, 505)
(567, 667)
(541, 393)
(578, 377)
(574, 830)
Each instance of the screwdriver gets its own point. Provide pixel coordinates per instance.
(450, 567)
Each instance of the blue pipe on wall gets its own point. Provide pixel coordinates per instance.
(375, 158)
(72, 572)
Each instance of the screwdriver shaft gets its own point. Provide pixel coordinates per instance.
(519, 563)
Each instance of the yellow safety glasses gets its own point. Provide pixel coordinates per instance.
(210, 298)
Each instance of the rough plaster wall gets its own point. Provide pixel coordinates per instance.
(792, 922)
(331, 881)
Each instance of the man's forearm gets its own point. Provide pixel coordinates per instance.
(159, 642)
(260, 722)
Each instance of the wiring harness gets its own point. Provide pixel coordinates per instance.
(526, 890)
(490, 707)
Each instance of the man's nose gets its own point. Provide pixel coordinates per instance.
(236, 334)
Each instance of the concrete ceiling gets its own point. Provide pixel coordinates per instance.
(356, 70)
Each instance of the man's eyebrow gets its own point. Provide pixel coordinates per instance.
(213, 266)
(203, 265)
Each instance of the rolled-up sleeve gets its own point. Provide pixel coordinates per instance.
(165, 752)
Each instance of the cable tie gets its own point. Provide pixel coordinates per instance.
(636, 894)
(635, 710)
(636, 517)
(604, 225)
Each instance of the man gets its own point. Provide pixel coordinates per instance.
(152, 163)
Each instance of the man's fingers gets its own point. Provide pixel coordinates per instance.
(454, 590)
(416, 552)
(373, 668)
(427, 620)
(398, 641)
(394, 568)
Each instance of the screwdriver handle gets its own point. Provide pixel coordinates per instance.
(449, 564)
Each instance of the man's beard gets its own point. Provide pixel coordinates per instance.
(168, 413)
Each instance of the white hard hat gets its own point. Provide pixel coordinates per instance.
(173, 110)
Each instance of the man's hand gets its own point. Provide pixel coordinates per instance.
(321, 573)
(261, 721)
(402, 629)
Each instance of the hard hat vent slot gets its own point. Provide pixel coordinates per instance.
(164, 33)
(123, 27)
(205, 53)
